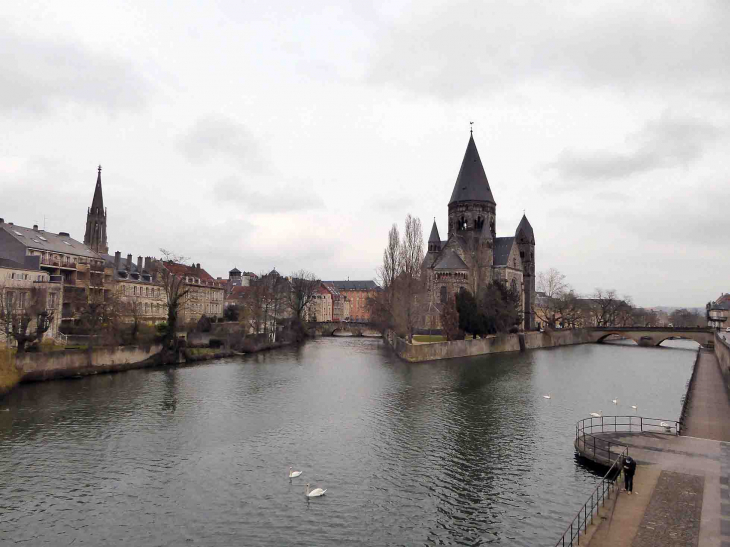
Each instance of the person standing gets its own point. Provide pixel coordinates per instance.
(629, 468)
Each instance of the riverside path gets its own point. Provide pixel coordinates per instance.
(681, 493)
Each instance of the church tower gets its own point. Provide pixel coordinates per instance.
(472, 207)
(525, 239)
(95, 235)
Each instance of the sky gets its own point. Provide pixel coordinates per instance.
(262, 134)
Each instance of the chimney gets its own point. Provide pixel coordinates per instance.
(147, 263)
(198, 265)
(117, 260)
(35, 227)
(129, 262)
(139, 264)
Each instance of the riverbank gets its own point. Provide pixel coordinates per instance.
(501, 343)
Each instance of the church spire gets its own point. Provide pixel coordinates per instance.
(434, 234)
(95, 235)
(472, 183)
(97, 204)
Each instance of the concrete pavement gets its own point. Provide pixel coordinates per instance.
(682, 483)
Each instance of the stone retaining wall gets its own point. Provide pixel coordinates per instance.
(417, 353)
(60, 364)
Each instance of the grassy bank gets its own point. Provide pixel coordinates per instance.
(9, 375)
(427, 338)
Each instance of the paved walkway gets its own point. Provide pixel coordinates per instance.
(681, 484)
(708, 409)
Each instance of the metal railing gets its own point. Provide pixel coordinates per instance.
(601, 447)
(598, 497)
(638, 424)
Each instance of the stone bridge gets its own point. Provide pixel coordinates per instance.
(343, 328)
(654, 336)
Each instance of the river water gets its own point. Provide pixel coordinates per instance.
(459, 452)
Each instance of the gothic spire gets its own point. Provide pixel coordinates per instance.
(472, 183)
(97, 204)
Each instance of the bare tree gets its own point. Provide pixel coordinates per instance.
(304, 289)
(607, 307)
(175, 292)
(381, 304)
(24, 315)
(411, 283)
(557, 298)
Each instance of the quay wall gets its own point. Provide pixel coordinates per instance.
(722, 352)
(416, 353)
(60, 364)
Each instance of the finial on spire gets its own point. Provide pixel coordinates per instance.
(100, 169)
(471, 128)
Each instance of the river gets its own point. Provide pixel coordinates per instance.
(459, 452)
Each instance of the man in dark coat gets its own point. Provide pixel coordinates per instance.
(629, 468)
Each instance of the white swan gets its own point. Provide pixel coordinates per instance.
(317, 492)
(615, 401)
(634, 407)
(666, 426)
(598, 414)
(293, 474)
(546, 397)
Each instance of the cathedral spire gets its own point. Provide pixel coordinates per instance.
(472, 183)
(95, 235)
(97, 204)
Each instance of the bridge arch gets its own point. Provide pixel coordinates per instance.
(603, 337)
(690, 337)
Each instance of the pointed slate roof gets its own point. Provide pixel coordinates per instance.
(434, 237)
(450, 261)
(502, 248)
(526, 229)
(472, 183)
(98, 200)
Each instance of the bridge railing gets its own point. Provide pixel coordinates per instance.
(597, 499)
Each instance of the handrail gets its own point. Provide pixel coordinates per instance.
(597, 496)
(583, 430)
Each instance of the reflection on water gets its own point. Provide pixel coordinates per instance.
(465, 451)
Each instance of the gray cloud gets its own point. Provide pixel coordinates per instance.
(472, 47)
(37, 75)
(215, 137)
(663, 143)
(276, 198)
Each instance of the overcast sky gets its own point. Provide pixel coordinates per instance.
(263, 134)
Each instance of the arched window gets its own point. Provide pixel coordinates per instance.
(443, 294)
(479, 223)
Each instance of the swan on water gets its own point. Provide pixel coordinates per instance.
(615, 401)
(317, 492)
(634, 407)
(546, 397)
(598, 414)
(293, 474)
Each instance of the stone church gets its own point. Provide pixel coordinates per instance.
(472, 256)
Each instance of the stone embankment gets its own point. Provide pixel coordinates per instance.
(71, 363)
(501, 343)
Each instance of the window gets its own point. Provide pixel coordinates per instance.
(135, 290)
(444, 295)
